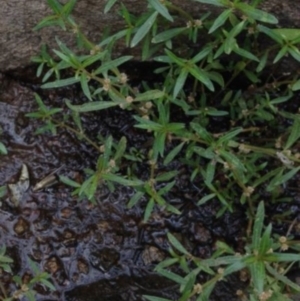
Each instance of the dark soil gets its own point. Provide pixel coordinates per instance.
(99, 251)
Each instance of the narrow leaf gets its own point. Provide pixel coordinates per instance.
(180, 81)
(258, 275)
(149, 95)
(91, 106)
(213, 2)
(166, 176)
(110, 65)
(294, 135)
(176, 244)
(61, 83)
(256, 14)
(109, 4)
(85, 87)
(173, 153)
(160, 8)
(3, 149)
(135, 198)
(69, 182)
(144, 29)
(206, 198)
(296, 85)
(258, 226)
(168, 34)
(202, 76)
(220, 20)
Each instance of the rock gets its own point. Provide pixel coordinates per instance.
(18, 17)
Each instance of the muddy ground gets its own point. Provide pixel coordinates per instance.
(99, 251)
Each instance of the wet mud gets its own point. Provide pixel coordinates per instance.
(99, 251)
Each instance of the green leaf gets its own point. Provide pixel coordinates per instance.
(281, 257)
(55, 6)
(172, 276)
(266, 241)
(180, 81)
(220, 20)
(210, 171)
(176, 244)
(84, 86)
(281, 99)
(109, 4)
(149, 209)
(50, 21)
(234, 267)
(230, 42)
(246, 54)
(206, 291)
(166, 176)
(294, 52)
(294, 135)
(110, 65)
(213, 2)
(218, 78)
(149, 95)
(258, 275)
(206, 198)
(3, 191)
(166, 263)
(288, 34)
(232, 160)
(89, 187)
(147, 124)
(202, 54)
(168, 34)
(40, 103)
(173, 153)
(262, 62)
(160, 8)
(296, 85)
(271, 33)
(48, 284)
(282, 278)
(120, 148)
(159, 143)
(267, 176)
(5, 259)
(135, 198)
(256, 14)
(91, 106)
(69, 59)
(144, 29)
(282, 178)
(187, 288)
(114, 37)
(93, 58)
(202, 76)
(69, 182)
(229, 135)
(180, 62)
(258, 226)
(68, 7)
(61, 83)
(202, 132)
(3, 149)
(282, 52)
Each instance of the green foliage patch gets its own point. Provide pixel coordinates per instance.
(213, 69)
